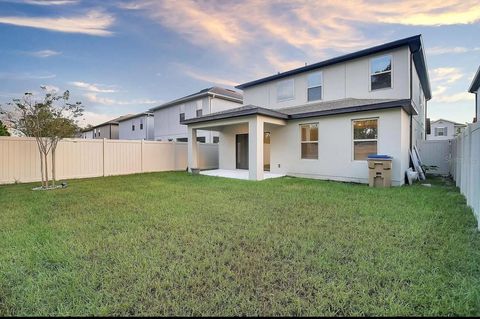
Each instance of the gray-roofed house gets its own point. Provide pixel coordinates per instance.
(167, 117)
(136, 127)
(108, 130)
(475, 89)
(323, 120)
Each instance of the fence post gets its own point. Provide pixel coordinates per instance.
(104, 141)
(141, 156)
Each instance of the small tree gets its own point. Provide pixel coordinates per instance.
(3, 130)
(49, 121)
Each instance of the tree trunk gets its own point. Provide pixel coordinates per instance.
(53, 165)
(46, 169)
(41, 168)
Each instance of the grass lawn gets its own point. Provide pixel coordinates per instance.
(176, 244)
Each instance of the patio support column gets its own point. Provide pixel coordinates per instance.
(192, 149)
(255, 149)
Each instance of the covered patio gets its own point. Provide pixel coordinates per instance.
(243, 152)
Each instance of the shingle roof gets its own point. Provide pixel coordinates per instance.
(475, 82)
(115, 121)
(220, 92)
(308, 110)
(414, 43)
(128, 117)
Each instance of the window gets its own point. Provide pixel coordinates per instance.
(285, 90)
(201, 139)
(216, 139)
(309, 141)
(141, 124)
(199, 113)
(98, 133)
(182, 117)
(314, 89)
(133, 127)
(440, 131)
(365, 135)
(381, 72)
(182, 139)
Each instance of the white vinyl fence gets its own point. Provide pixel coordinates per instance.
(465, 168)
(82, 158)
(436, 153)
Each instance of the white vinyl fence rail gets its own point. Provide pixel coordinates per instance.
(436, 153)
(465, 168)
(83, 158)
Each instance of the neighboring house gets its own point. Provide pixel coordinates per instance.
(87, 133)
(474, 88)
(444, 130)
(136, 127)
(108, 130)
(323, 120)
(167, 116)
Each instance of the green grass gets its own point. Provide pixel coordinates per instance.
(176, 244)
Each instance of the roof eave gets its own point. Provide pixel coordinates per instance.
(194, 97)
(475, 82)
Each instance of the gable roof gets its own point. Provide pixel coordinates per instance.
(216, 91)
(115, 121)
(414, 43)
(309, 110)
(475, 82)
(443, 120)
(129, 117)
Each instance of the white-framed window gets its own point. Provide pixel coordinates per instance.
(381, 72)
(199, 112)
(441, 131)
(133, 127)
(141, 124)
(314, 86)
(365, 138)
(309, 140)
(285, 90)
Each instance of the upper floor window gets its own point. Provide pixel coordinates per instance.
(314, 89)
(141, 124)
(440, 131)
(381, 72)
(199, 112)
(182, 117)
(133, 127)
(285, 90)
(365, 138)
(309, 141)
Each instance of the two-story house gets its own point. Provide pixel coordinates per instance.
(475, 89)
(168, 116)
(323, 120)
(108, 130)
(136, 127)
(445, 130)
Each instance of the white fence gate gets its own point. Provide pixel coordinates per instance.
(465, 168)
(436, 153)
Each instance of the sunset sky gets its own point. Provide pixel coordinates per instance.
(121, 57)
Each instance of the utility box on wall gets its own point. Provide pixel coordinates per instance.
(379, 170)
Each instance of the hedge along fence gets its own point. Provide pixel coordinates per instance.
(83, 158)
(465, 167)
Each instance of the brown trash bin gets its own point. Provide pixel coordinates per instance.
(380, 171)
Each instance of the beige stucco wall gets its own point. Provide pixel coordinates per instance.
(344, 80)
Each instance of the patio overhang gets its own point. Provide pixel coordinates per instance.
(255, 121)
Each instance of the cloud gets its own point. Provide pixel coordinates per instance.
(44, 53)
(198, 75)
(446, 75)
(449, 50)
(456, 97)
(94, 98)
(51, 88)
(49, 2)
(91, 87)
(94, 22)
(96, 118)
(251, 32)
(26, 76)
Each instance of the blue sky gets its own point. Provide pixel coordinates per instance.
(120, 57)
